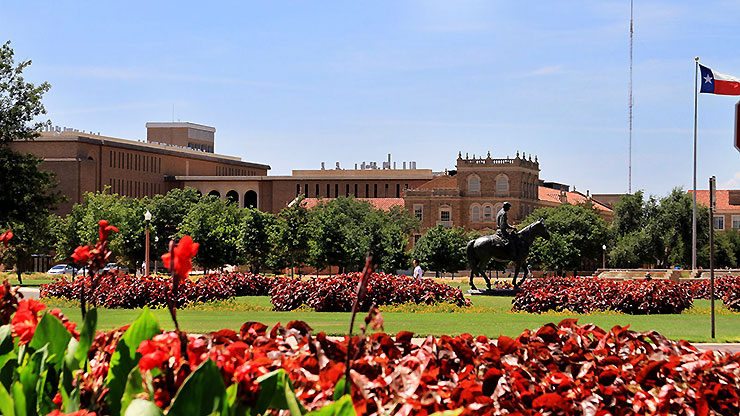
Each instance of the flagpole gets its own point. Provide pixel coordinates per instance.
(693, 215)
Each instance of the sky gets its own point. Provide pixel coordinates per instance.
(292, 84)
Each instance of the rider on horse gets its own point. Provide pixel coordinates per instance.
(502, 222)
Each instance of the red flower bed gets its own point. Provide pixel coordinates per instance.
(338, 293)
(557, 369)
(126, 291)
(584, 295)
(732, 294)
(699, 288)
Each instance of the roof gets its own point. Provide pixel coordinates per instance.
(723, 199)
(173, 124)
(440, 182)
(83, 137)
(553, 196)
(378, 203)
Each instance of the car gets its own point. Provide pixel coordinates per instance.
(113, 267)
(61, 269)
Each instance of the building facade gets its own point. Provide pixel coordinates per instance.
(727, 208)
(87, 162)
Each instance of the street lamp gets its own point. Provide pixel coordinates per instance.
(147, 219)
(603, 256)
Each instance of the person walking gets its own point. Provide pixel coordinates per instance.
(418, 272)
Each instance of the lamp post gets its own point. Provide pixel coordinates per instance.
(603, 256)
(147, 219)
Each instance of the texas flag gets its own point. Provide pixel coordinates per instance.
(713, 82)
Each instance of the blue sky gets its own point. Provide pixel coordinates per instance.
(292, 84)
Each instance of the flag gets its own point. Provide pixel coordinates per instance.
(712, 82)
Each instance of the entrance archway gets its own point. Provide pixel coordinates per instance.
(232, 196)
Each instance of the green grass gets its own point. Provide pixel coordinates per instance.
(489, 316)
(29, 279)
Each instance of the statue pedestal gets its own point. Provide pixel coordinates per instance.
(493, 292)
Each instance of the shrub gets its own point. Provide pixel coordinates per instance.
(338, 293)
(700, 289)
(128, 292)
(585, 295)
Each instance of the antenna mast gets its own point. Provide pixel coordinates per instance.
(632, 31)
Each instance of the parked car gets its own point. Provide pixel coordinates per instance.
(61, 269)
(112, 267)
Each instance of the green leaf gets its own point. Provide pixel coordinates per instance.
(19, 398)
(140, 407)
(134, 387)
(77, 353)
(50, 331)
(125, 358)
(203, 392)
(276, 392)
(6, 339)
(339, 388)
(7, 405)
(8, 356)
(341, 407)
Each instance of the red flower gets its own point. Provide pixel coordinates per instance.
(81, 255)
(104, 229)
(550, 401)
(25, 319)
(157, 351)
(184, 252)
(82, 412)
(6, 237)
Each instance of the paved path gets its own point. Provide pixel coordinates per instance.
(30, 292)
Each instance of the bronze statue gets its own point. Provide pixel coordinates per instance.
(504, 247)
(502, 222)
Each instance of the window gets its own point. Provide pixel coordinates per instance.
(502, 184)
(417, 237)
(736, 222)
(305, 190)
(367, 190)
(375, 190)
(487, 212)
(386, 191)
(445, 214)
(419, 211)
(328, 190)
(298, 189)
(336, 190)
(473, 183)
(346, 190)
(398, 190)
(719, 222)
(317, 191)
(475, 213)
(356, 195)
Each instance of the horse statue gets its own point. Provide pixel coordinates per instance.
(481, 250)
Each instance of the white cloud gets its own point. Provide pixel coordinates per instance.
(733, 183)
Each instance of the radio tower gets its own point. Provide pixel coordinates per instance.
(632, 31)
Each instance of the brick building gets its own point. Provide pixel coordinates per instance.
(727, 210)
(87, 162)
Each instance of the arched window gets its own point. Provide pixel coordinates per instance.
(250, 199)
(502, 184)
(473, 183)
(487, 212)
(475, 213)
(215, 193)
(232, 196)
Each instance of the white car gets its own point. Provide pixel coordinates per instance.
(61, 269)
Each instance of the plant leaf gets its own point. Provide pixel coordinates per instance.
(339, 388)
(50, 331)
(125, 358)
(140, 407)
(341, 407)
(77, 352)
(6, 403)
(134, 387)
(202, 393)
(276, 392)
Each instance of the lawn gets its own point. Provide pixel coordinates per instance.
(489, 316)
(29, 279)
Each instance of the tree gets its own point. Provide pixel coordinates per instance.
(342, 233)
(289, 237)
(253, 240)
(27, 195)
(442, 249)
(168, 212)
(577, 233)
(20, 101)
(213, 224)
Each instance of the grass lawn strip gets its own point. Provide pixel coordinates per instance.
(490, 316)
